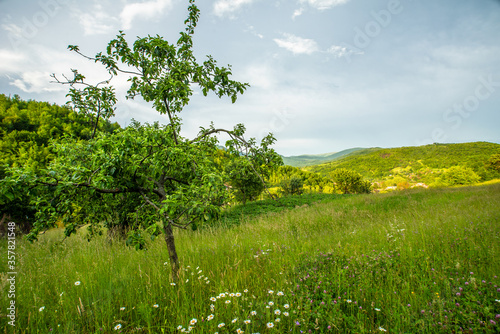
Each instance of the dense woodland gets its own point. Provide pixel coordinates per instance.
(28, 127)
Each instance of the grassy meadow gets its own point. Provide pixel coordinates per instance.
(416, 261)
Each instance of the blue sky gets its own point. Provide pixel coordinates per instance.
(325, 75)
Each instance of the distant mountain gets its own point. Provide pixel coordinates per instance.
(316, 159)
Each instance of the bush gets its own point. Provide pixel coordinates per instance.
(458, 175)
(293, 185)
(349, 182)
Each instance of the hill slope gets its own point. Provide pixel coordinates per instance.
(379, 163)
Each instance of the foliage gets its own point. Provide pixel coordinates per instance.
(494, 162)
(245, 182)
(457, 176)
(349, 182)
(145, 176)
(26, 130)
(294, 185)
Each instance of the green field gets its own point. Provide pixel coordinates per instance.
(419, 261)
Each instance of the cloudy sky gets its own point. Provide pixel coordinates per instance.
(325, 75)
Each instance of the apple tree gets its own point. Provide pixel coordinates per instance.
(146, 177)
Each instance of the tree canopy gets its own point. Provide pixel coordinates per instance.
(148, 176)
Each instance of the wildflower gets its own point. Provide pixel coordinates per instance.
(297, 323)
(286, 306)
(210, 317)
(277, 312)
(382, 329)
(117, 327)
(213, 299)
(377, 309)
(78, 283)
(285, 314)
(221, 325)
(41, 309)
(271, 303)
(179, 327)
(270, 292)
(212, 306)
(61, 294)
(277, 319)
(280, 293)
(239, 331)
(172, 284)
(208, 282)
(248, 321)
(228, 301)
(349, 301)
(187, 280)
(122, 308)
(193, 322)
(245, 291)
(155, 305)
(409, 305)
(234, 320)
(238, 294)
(270, 325)
(231, 295)
(253, 313)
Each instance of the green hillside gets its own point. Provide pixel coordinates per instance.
(417, 164)
(315, 159)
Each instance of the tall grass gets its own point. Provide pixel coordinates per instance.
(415, 261)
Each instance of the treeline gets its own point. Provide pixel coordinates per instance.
(288, 180)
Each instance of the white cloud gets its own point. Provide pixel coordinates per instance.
(35, 82)
(342, 51)
(143, 10)
(11, 61)
(297, 45)
(324, 4)
(228, 7)
(97, 22)
(297, 12)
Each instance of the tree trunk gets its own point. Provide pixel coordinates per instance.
(172, 253)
